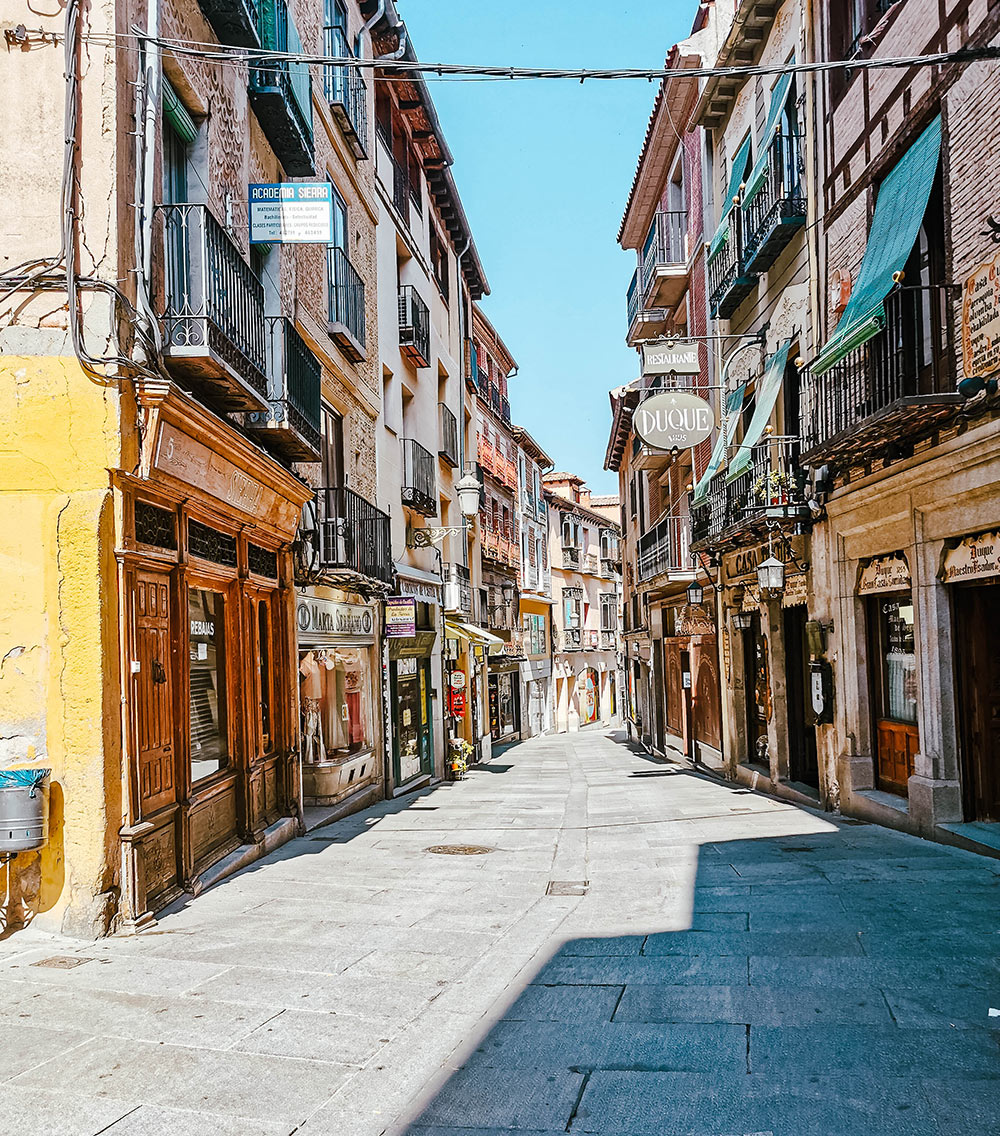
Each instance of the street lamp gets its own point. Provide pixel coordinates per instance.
(771, 576)
(742, 620)
(467, 490)
(695, 594)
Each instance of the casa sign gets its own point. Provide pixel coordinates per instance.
(673, 418)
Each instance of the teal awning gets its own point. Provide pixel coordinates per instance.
(899, 210)
(299, 75)
(736, 174)
(177, 114)
(734, 404)
(764, 400)
(758, 175)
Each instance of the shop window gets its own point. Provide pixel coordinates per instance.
(265, 673)
(334, 685)
(894, 688)
(208, 685)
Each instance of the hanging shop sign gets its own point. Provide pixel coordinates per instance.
(976, 558)
(400, 617)
(884, 574)
(457, 701)
(291, 213)
(981, 319)
(458, 679)
(673, 418)
(319, 620)
(678, 356)
(796, 592)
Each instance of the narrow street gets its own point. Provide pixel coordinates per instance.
(642, 950)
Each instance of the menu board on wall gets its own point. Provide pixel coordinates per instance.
(981, 319)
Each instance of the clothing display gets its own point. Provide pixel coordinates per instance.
(336, 721)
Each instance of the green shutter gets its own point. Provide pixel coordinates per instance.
(779, 96)
(734, 404)
(299, 75)
(767, 396)
(177, 114)
(902, 202)
(736, 173)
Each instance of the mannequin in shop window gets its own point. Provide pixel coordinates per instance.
(311, 690)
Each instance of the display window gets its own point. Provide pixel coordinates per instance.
(335, 700)
(892, 647)
(210, 750)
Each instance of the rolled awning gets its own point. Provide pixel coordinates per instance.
(765, 398)
(475, 635)
(899, 210)
(779, 96)
(739, 168)
(734, 404)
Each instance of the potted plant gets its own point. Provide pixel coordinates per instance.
(461, 751)
(772, 488)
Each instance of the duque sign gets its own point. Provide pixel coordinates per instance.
(976, 558)
(679, 357)
(673, 418)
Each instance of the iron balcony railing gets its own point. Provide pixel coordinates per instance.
(898, 384)
(419, 481)
(769, 489)
(667, 245)
(448, 435)
(610, 567)
(778, 208)
(233, 21)
(281, 91)
(294, 383)
(347, 302)
(414, 326)
(571, 557)
(400, 188)
(725, 268)
(212, 301)
(353, 534)
(632, 298)
(570, 639)
(458, 589)
(346, 92)
(665, 548)
(609, 640)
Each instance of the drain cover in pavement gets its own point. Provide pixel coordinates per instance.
(62, 962)
(567, 887)
(459, 849)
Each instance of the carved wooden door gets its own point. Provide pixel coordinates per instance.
(153, 691)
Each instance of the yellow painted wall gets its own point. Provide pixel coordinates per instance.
(59, 674)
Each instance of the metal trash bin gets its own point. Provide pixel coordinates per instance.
(24, 809)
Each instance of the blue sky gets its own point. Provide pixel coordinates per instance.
(544, 169)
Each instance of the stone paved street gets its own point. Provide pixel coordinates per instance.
(736, 965)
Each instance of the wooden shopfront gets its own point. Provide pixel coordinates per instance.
(206, 594)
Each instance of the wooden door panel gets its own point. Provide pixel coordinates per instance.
(898, 743)
(153, 690)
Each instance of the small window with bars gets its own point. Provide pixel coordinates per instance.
(155, 526)
(262, 561)
(210, 544)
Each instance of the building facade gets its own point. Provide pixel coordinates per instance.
(586, 596)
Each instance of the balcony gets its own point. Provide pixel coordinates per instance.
(647, 457)
(770, 490)
(502, 616)
(610, 567)
(458, 589)
(211, 310)
(281, 92)
(897, 387)
(419, 481)
(447, 436)
(400, 186)
(233, 21)
(499, 542)
(643, 323)
(665, 549)
(571, 558)
(609, 640)
(729, 282)
(496, 463)
(346, 93)
(346, 291)
(294, 377)
(664, 261)
(414, 327)
(570, 639)
(351, 535)
(499, 403)
(778, 210)
(471, 364)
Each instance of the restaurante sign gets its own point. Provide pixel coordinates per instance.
(681, 358)
(673, 418)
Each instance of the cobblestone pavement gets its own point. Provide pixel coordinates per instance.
(644, 951)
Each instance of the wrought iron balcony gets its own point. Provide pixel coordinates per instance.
(778, 209)
(502, 616)
(281, 91)
(664, 260)
(769, 490)
(350, 534)
(458, 589)
(346, 297)
(897, 387)
(610, 567)
(294, 378)
(211, 309)
(665, 549)
(609, 640)
(447, 435)
(499, 402)
(571, 558)
(414, 327)
(729, 281)
(400, 187)
(233, 21)
(643, 323)
(571, 639)
(419, 480)
(346, 93)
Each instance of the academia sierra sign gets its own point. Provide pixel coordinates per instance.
(673, 418)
